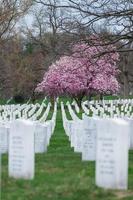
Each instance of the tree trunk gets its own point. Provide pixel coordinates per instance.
(52, 100)
(79, 101)
(101, 97)
(89, 97)
(33, 97)
(126, 83)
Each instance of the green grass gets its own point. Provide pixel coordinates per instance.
(61, 175)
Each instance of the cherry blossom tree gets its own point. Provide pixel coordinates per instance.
(87, 71)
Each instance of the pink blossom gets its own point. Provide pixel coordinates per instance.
(83, 72)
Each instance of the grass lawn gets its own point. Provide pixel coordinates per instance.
(61, 175)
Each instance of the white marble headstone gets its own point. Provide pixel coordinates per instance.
(89, 138)
(48, 124)
(130, 132)
(112, 154)
(4, 138)
(78, 136)
(21, 149)
(40, 138)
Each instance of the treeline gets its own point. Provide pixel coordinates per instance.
(26, 52)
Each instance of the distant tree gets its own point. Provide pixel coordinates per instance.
(21, 67)
(10, 12)
(115, 15)
(82, 73)
(46, 31)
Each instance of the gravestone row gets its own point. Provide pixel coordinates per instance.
(109, 110)
(105, 141)
(22, 139)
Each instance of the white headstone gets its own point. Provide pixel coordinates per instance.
(40, 138)
(78, 136)
(130, 132)
(21, 149)
(89, 138)
(48, 124)
(4, 134)
(72, 133)
(112, 154)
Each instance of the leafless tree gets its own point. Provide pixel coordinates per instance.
(47, 31)
(10, 12)
(115, 15)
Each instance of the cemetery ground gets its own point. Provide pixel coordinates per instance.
(60, 174)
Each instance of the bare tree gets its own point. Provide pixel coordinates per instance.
(47, 31)
(10, 12)
(115, 15)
